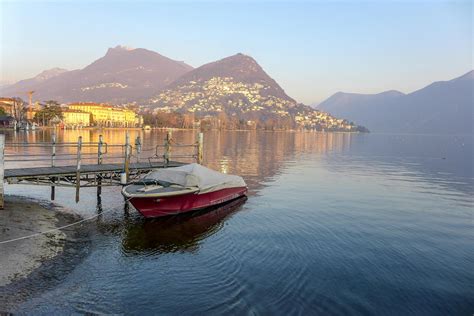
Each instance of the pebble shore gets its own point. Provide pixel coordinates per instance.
(41, 254)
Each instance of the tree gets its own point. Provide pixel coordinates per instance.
(52, 111)
(149, 119)
(19, 109)
(269, 124)
(222, 120)
(2, 111)
(188, 120)
(51, 103)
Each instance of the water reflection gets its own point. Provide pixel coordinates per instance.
(177, 233)
(260, 156)
(432, 162)
(336, 223)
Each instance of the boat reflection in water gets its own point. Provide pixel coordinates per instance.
(177, 233)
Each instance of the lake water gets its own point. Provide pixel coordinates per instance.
(334, 224)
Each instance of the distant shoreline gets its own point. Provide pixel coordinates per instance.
(182, 129)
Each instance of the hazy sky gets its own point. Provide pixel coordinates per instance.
(312, 48)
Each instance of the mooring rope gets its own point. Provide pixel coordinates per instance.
(54, 229)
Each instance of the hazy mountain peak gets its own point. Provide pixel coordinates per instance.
(238, 68)
(241, 56)
(392, 93)
(340, 94)
(467, 76)
(122, 48)
(240, 59)
(50, 73)
(441, 107)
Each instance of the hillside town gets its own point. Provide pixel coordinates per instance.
(246, 105)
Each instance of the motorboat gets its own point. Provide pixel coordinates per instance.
(191, 187)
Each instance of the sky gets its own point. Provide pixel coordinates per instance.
(313, 49)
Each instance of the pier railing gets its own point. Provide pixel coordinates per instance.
(50, 151)
(57, 155)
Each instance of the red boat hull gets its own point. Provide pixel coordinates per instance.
(172, 205)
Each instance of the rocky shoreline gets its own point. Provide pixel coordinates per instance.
(30, 265)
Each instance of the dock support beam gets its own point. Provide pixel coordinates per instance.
(99, 162)
(53, 161)
(200, 143)
(2, 169)
(138, 147)
(78, 167)
(127, 157)
(167, 154)
(53, 149)
(100, 153)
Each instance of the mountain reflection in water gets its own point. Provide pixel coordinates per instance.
(177, 233)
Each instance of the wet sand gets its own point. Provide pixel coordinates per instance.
(27, 261)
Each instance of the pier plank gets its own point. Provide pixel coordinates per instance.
(88, 168)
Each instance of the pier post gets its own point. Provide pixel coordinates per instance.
(100, 144)
(127, 156)
(78, 167)
(53, 162)
(99, 150)
(167, 154)
(2, 169)
(138, 147)
(100, 153)
(200, 147)
(53, 149)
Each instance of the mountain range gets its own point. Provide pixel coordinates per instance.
(441, 107)
(122, 75)
(235, 87)
(238, 86)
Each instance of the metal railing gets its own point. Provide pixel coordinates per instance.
(102, 150)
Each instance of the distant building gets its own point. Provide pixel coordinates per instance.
(108, 115)
(76, 118)
(138, 120)
(8, 105)
(251, 124)
(7, 121)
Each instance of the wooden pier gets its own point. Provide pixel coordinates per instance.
(98, 174)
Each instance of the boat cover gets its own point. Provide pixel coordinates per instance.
(195, 175)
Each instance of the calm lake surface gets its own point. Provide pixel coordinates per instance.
(334, 224)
